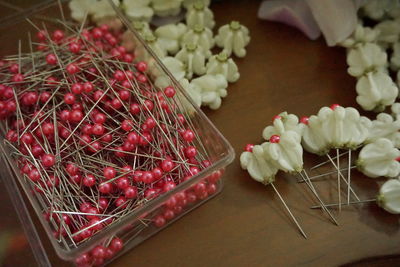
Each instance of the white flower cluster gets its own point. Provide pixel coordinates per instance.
(282, 151)
(185, 49)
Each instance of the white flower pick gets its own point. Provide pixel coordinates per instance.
(102, 10)
(375, 91)
(193, 91)
(151, 41)
(194, 59)
(189, 3)
(389, 196)
(389, 31)
(233, 37)
(175, 67)
(138, 10)
(379, 159)
(165, 8)
(395, 58)
(365, 58)
(169, 36)
(200, 14)
(81, 8)
(313, 138)
(385, 127)
(202, 36)
(282, 123)
(361, 35)
(261, 170)
(221, 64)
(213, 88)
(395, 108)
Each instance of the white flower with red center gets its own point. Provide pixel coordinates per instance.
(379, 158)
(313, 138)
(389, 196)
(233, 38)
(366, 58)
(258, 167)
(282, 123)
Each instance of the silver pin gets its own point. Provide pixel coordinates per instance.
(350, 203)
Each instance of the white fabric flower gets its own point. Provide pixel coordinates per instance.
(194, 59)
(81, 8)
(395, 108)
(102, 10)
(365, 58)
(259, 168)
(356, 128)
(169, 36)
(138, 9)
(379, 159)
(389, 31)
(389, 196)
(375, 91)
(221, 64)
(200, 14)
(213, 88)
(385, 127)
(175, 67)
(313, 138)
(153, 43)
(361, 35)
(282, 123)
(233, 37)
(165, 8)
(395, 58)
(202, 36)
(129, 40)
(193, 91)
(189, 3)
(287, 154)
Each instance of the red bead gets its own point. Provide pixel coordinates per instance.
(27, 138)
(95, 224)
(74, 47)
(121, 202)
(12, 136)
(128, 58)
(48, 128)
(126, 84)
(134, 108)
(58, 35)
(98, 129)
(72, 169)
(249, 148)
(150, 193)
(100, 118)
(87, 129)
(109, 173)
(48, 160)
(41, 35)
(167, 165)
(18, 78)
(148, 105)
(76, 115)
(211, 189)
(44, 97)
(65, 115)
(190, 151)
(334, 106)
(277, 117)
(169, 91)
(98, 95)
(116, 103)
(151, 123)
(133, 138)
(159, 221)
(51, 59)
(77, 178)
(124, 94)
(105, 188)
(122, 182)
(99, 252)
(53, 182)
(84, 206)
(126, 125)
(119, 75)
(77, 88)
(107, 138)
(88, 87)
(103, 203)
(304, 120)
(147, 177)
(169, 214)
(145, 139)
(130, 192)
(116, 244)
(157, 173)
(274, 139)
(89, 180)
(72, 68)
(169, 186)
(141, 66)
(83, 259)
(34, 175)
(188, 135)
(69, 98)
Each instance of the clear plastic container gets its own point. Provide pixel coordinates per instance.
(141, 223)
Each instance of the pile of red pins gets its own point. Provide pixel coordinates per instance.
(93, 137)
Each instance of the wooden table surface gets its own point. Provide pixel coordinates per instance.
(246, 225)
